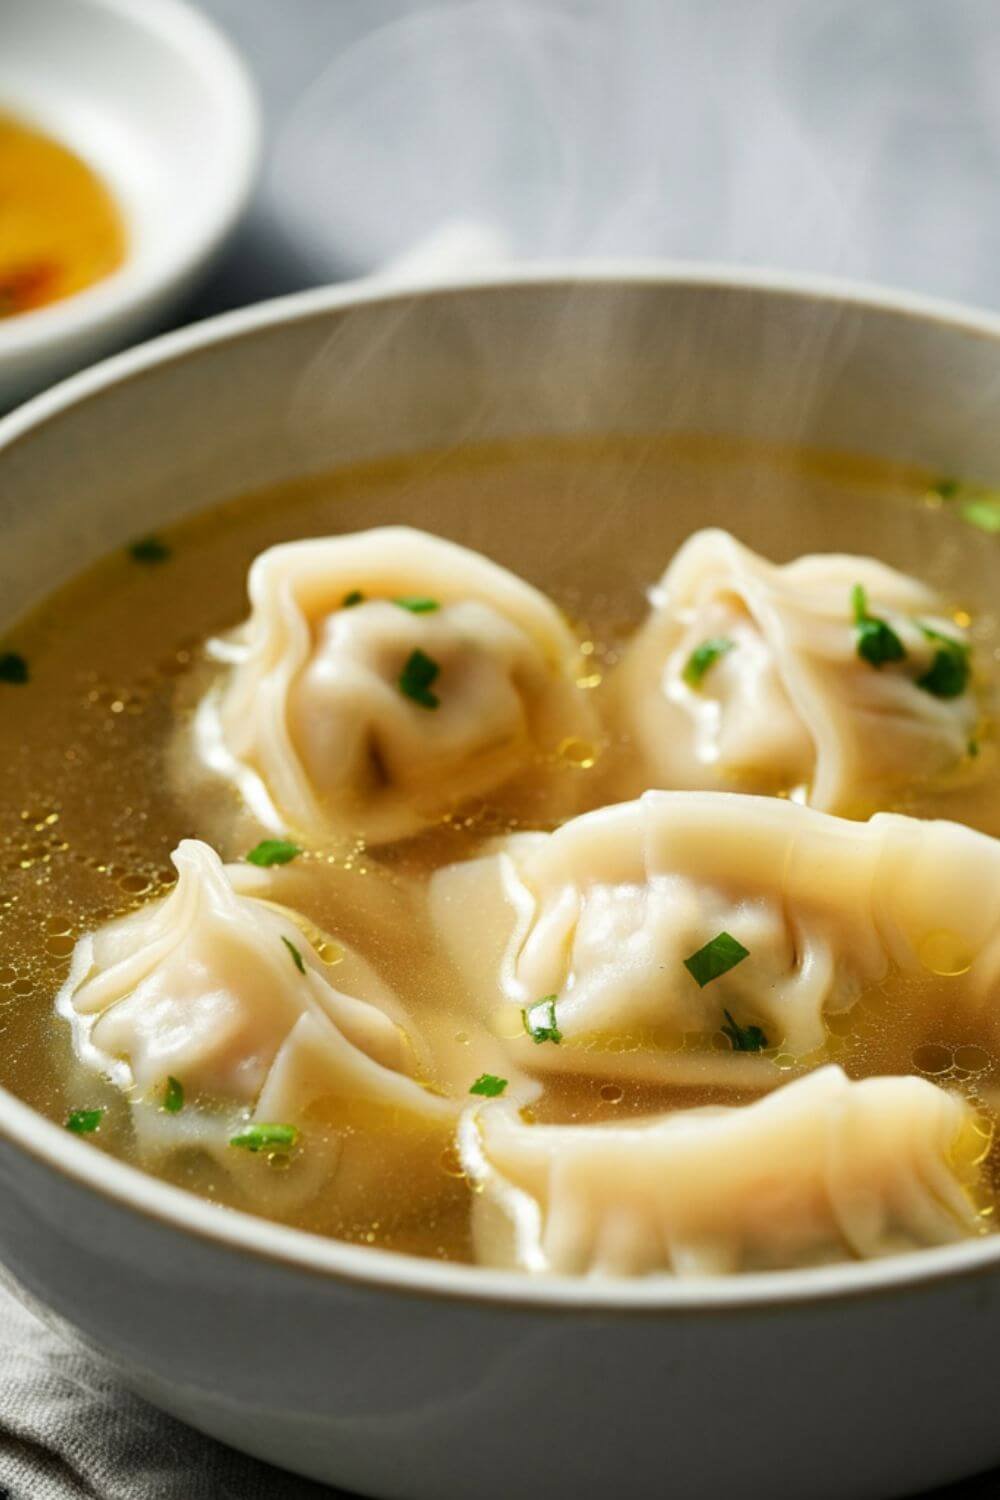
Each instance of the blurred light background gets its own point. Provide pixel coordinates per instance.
(854, 137)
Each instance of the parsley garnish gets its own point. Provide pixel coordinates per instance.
(540, 1020)
(489, 1085)
(266, 1138)
(273, 852)
(296, 955)
(416, 678)
(744, 1038)
(972, 748)
(984, 513)
(13, 668)
(173, 1096)
(717, 957)
(948, 674)
(946, 488)
(417, 604)
(84, 1121)
(149, 549)
(877, 641)
(705, 656)
(351, 599)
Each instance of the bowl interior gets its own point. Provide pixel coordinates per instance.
(334, 377)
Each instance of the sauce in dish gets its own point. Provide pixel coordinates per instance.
(60, 228)
(602, 878)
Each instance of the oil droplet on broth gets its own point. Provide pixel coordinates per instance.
(450, 1164)
(507, 1022)
(973, 1059)
(932, 1059)
(944, 953)
(578, 753)
(612, 1093)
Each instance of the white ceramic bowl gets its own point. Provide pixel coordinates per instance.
(413, 1379)
(157, 101)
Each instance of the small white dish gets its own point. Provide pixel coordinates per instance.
(159, 104)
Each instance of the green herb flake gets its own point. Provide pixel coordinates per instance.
(273, 852)
(972, 749)
(173, 1096)
(859, 604)
(351, 599)
(877, 641)
(715, 958)
(13, 668)
(417, 604)
(540, 1020)
(705, 656)
(744, 1038)
(149, 550)
(416, 678)
(984, 513)
(266, 1138)
(947, 489)
(948, 674)
(84, 1121)
(489, 1085)
(296, 955)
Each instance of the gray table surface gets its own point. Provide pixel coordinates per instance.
(855, 137)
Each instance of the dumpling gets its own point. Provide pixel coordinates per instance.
(648, 932)
(834, 678)
(385, 678)
(823, 1169)
(257, 1015)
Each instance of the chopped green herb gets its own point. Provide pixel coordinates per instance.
(489, 1085)
(859, 604)
(877, 641)
(540, 1020)
(972, 748)
(353, 598)
(84, 1121)
(715, 958)
(273, 852)
(13, 668)
(416, 678)
(946, 488)
(149, 549)
(984, 513)
(948, 674)
(266, 1138)
(173, 1096)
(296, 955)
(744, 1038)
(705, 656)
(417, 604)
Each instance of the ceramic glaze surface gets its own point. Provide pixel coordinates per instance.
(380, 1363)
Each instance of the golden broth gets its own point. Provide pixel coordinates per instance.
(60, 229)
(114, 661)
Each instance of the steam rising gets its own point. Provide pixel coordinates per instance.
(856, 138)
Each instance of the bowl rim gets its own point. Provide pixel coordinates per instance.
(126, 291)
(132, 1190)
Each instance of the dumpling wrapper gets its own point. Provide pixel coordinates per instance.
(824, 1169)
(791, 706)
(603, 913)
(312, 724)
(204, 985)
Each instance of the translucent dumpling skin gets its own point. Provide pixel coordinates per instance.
(385, 678)
(605, 914)
(833, 677)
(226, 993)
(822, 1169)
